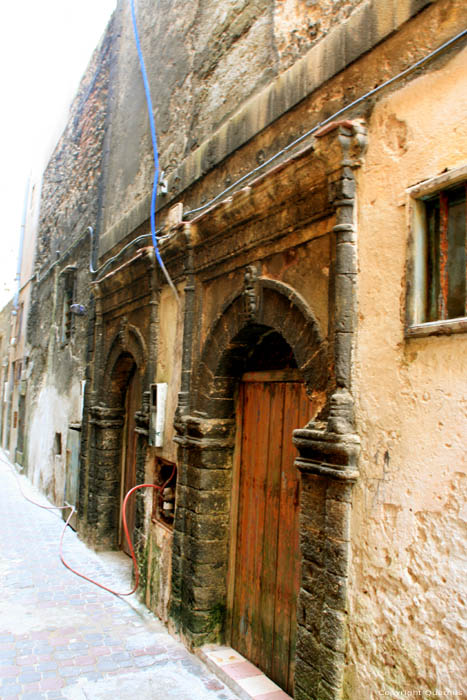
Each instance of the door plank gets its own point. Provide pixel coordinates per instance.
(266, 603)
(288, 561)
(132, 401)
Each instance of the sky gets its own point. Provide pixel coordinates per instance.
(45, 47)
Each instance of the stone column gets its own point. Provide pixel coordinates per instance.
(105, 475)
(328, 455)
(201, 528)
(327, 465)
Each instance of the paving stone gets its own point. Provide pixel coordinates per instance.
(10, 691)
(62, 638)
(29, 677)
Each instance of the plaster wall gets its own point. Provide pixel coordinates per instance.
(169, 361)
(52, 414)
(5, 335)
(407, 599)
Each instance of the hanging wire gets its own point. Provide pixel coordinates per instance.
(334, 116)
(284, 150)
(155, 151)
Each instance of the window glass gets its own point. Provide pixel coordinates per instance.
(445, 221)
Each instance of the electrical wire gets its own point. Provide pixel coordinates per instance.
(298, 140)
(120, 252)
(155, 151)
(73, 511)
(314, 129)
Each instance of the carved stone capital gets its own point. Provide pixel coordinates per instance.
(201, 432)
(142, 423)
(327, 454)
(105, 417)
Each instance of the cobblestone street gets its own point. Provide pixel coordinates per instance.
(61, 637)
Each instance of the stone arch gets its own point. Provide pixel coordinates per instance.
(127, 342)
(272, 311)
(125, 362)
(235, 335)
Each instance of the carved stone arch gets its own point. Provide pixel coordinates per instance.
(228, 347)
(127, 342)
(115, 419)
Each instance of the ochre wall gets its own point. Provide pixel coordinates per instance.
(407, 602)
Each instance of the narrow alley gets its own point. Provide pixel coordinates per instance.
(62, 637)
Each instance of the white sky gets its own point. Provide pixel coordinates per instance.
(45, 46)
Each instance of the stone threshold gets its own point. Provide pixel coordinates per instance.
(241, 676)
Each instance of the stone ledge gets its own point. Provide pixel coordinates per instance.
(241, 676)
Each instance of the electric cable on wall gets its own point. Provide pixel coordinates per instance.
(310, 132)
(334, 116)
(155, 151)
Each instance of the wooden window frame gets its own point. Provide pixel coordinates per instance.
(420, 198)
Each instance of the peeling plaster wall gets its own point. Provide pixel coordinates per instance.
(169, 361)
(407, 603)
(159, 536)
(299, 24)
(52, 414)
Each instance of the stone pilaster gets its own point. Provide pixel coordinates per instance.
(201, 528)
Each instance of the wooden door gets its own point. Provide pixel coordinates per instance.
(264, 572)
(73, 442)
(132, 404)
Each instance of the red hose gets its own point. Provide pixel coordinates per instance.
(128, 539)
(125, 529)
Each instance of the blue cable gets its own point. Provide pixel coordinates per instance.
(152, 126)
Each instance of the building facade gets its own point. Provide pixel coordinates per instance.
(298, 396)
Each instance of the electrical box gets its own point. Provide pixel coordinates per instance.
(157, 414)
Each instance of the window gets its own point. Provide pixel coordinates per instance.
(58, 444)
(69, 284)
(437, 293)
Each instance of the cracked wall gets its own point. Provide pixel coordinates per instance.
(205, 60)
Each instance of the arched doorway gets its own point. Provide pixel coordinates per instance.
(264, 566)
(124, 398)
(274, 332)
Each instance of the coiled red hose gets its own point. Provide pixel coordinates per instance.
(125, 529)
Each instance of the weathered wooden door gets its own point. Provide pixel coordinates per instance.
(72, 473)
(264, 573)
(132, 403)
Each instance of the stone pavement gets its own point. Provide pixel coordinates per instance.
(63, 638)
